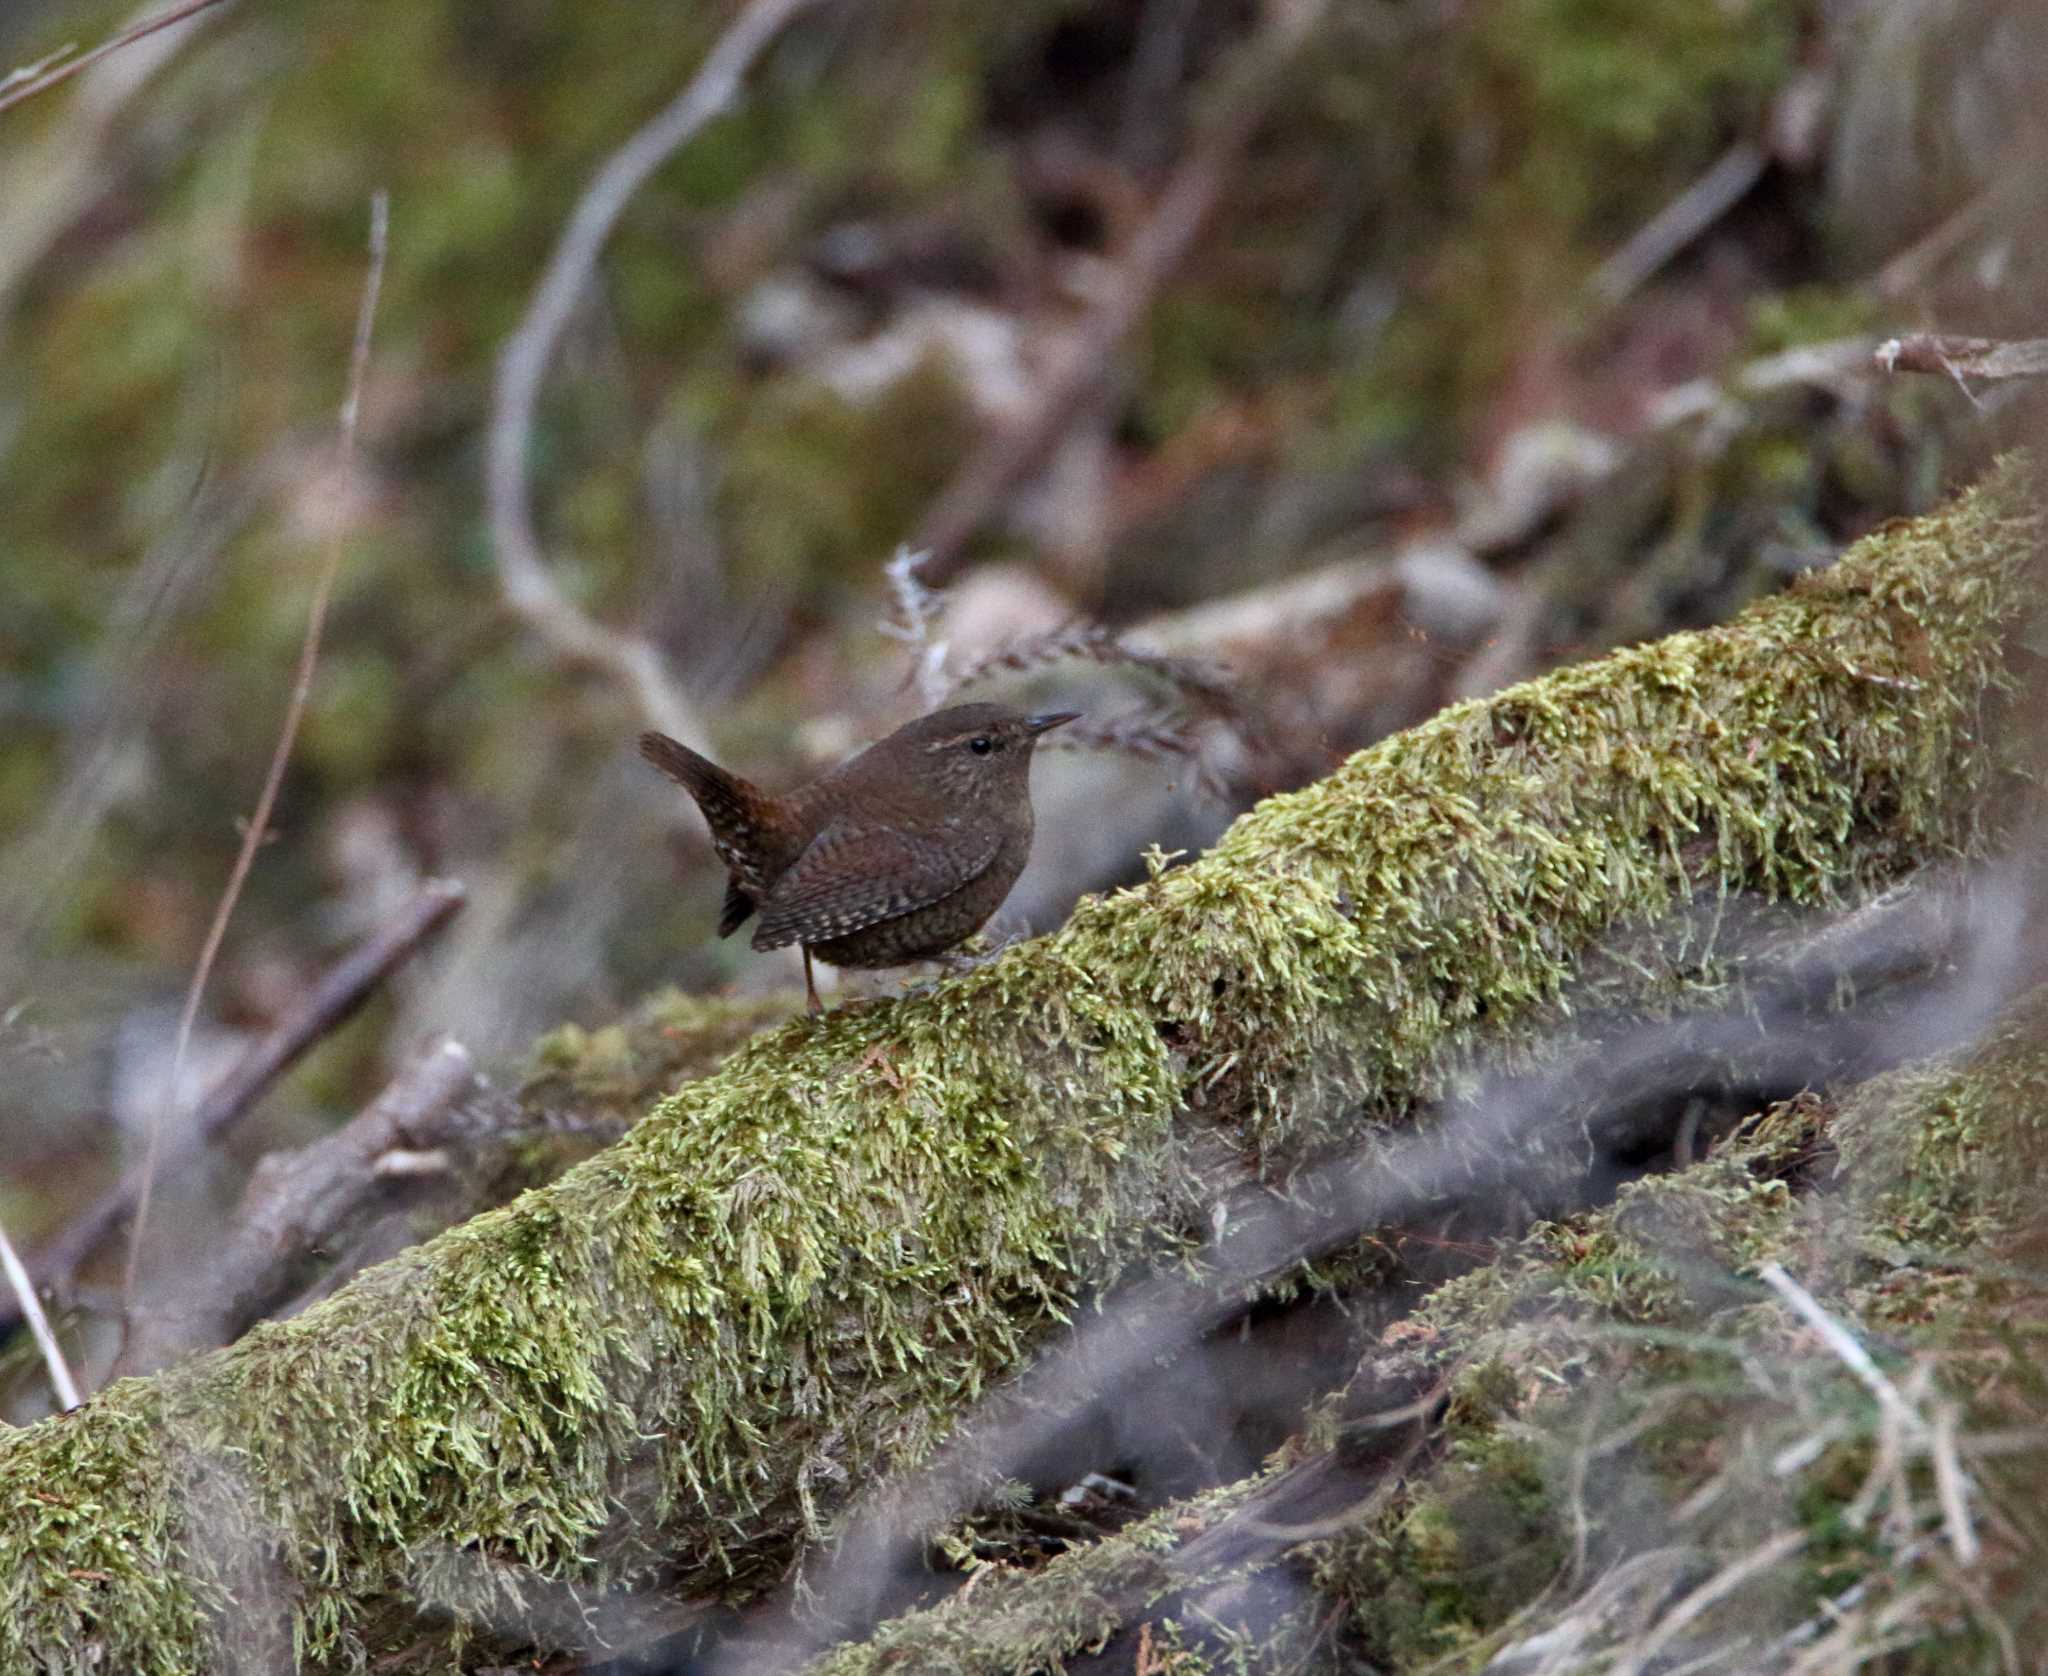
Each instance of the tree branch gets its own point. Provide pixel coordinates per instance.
(529, 588)
(299, 1202)
(47, 79)
(1008, 456)
(1992, 359)
(331, 1002)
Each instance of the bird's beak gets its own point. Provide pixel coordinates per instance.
(1035, 725)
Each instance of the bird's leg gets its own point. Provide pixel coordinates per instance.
(811, 983)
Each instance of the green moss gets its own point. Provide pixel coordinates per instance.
(1619, 1369)
(1629, 84)
(1548, 132)
(1451, 1560)
(791, 1277)
(1952, 1146)
(668, 1039)
(1783, 320)
(349, 719)
(1018, 1622)
(1607, 1446)
(196, 321)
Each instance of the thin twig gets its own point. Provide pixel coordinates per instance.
(1838, 367)
(1952, 1485)
(71, 66)
(2012, 185)
(1991, 359)
(328, 1005)
(1834, 1610)
(1680, 222)
(1714, 1590)
(302, 686)
(529, 588)
(1157, 249)
(1843, 1343)
(38, 1324)
(1936, 1438)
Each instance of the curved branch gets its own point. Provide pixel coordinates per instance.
(522, 366)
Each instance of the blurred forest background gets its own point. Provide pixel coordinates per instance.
(1380, 352)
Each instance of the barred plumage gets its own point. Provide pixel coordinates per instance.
(896, 855)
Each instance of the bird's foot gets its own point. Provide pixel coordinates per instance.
(979, 949)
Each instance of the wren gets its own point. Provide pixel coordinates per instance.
(896, 855)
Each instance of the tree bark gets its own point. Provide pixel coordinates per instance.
(677, 1364)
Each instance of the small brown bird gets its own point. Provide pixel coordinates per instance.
(895, 855)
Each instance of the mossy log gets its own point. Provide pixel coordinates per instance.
(675, 1364)
(1587, 1395)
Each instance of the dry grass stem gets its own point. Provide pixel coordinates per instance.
(309, 656)
(918, 607)
(38, 1324)
(42, 80)
(1843, 1343)
(1710, 1593)
(1907, 1430)
(1951, 1486)
(918, 612)
(1154, 732)
(1206, 687)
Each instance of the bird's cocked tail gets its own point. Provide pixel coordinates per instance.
(732, 808)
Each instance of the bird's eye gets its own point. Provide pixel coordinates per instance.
(981, 744)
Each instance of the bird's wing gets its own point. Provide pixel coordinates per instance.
(852, 877)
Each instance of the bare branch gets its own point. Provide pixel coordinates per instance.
(1838, 367)
(49, 78)
(309, 657)
(330, 1004)
(522, 366)
(1007, 457)
(1680, 222)
(298, 1202)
